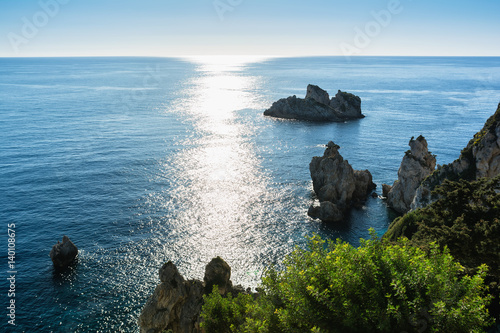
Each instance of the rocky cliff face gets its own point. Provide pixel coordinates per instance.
(481, 158)
(337, 185)
(176, 303)
(317, 106)
(417, 164)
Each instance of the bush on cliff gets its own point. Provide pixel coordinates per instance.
(465, 218)
(226, 313)
(378, 287)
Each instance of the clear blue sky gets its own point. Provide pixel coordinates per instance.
(260, 27)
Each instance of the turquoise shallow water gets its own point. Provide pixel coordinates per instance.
(144, 160)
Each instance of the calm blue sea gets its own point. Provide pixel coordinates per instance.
(144, 160)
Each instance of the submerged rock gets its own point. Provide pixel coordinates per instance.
(337, 185)
(63, 254)
(417, 164)
(327, 212)
(481, 158)
(176, 303)
(317, 106)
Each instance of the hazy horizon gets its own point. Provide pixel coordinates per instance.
(257, 57)
(152, 28)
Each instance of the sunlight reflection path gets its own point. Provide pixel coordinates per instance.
(224, 188)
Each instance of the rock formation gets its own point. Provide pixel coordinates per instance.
(63, 254)
(317, 106)
(337, 185)
(318, 94)
(417, 164)
(218, 273)
(176, 303)
(348, 104)
(385, 190)
(481, 158)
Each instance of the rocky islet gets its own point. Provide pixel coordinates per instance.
(337, 185)
(317, 106)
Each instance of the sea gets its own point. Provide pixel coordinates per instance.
(145, 160)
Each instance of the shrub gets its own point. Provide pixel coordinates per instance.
(224, 314)
(378, 287)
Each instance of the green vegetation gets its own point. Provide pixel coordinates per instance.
(378, 287)
(224, 314)
(465, 218)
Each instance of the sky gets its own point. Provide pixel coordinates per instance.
(249, 27)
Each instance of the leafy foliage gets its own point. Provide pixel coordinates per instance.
(378, 287)
(465, 218)
(224, 314)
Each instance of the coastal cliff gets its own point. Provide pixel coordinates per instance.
(317, 106)
(458, 207)
(480, 158)
(458, 204)
(337, 185)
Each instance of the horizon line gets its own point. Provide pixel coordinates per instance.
(252, 56)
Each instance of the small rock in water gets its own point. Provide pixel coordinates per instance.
(63, 254)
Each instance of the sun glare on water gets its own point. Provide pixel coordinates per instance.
(221, 90)
(225, 63)
(223, 188)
